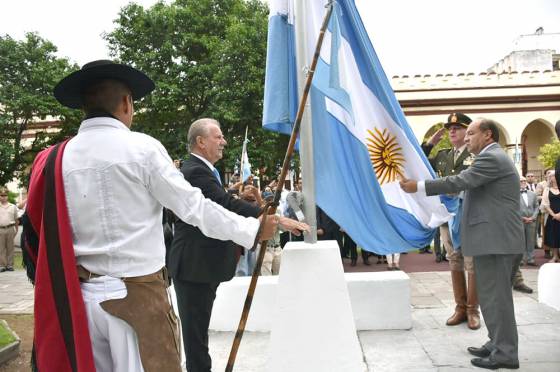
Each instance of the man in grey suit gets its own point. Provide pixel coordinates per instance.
(529, 211)
(491, 232)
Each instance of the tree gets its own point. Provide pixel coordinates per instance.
(29, 71)
(549, 153)
(207, 58)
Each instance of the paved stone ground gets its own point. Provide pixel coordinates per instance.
(16, 293)
(428, 346)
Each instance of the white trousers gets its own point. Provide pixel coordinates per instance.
(114, 342)
(271, 261)
(393, 258)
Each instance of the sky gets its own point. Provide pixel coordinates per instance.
(410, 36)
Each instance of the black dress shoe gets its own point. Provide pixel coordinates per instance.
(9, 269)
(492, 364)
(353, 262)
(438, 257)
(480, 352)
(523, 288)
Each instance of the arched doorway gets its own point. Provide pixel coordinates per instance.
(536, 134)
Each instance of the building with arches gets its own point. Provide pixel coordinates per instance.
(521, 92)
(525, 104)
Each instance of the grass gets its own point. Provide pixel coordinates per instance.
(18, 265)
(6, 337)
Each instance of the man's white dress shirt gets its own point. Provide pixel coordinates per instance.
(524, 197)
(116, 182)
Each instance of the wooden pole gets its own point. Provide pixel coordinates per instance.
(270, 209)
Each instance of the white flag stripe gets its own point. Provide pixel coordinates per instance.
(369, 113)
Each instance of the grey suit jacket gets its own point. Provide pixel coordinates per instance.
(532, 209)
(491, 222)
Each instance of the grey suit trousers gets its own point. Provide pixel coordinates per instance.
(493, 282)
(530, 236)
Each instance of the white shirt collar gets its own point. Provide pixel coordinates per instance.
(205, 161)
(100, 122)
(486, 148)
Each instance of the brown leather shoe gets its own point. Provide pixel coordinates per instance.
(473, 316)
(460, 294)
(473, 320)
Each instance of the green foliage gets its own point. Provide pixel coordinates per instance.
(6, 337)
(549, 153)
(12, 197)
(29, 70)
(207, 58)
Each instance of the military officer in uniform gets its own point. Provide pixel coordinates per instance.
(450, 162)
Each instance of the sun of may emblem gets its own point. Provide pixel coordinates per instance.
(385, 154)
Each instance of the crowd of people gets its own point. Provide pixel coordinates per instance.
(103, 263)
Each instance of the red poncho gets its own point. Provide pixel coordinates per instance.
(62, 342)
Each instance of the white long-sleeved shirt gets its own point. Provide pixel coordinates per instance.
(116, 182)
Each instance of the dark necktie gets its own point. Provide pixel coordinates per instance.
(523, 191)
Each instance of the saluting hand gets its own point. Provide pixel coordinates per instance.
(436, 138)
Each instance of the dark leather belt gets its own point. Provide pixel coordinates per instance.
(85, 275)
(5, 227)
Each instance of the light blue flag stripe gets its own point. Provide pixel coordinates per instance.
(280, 90)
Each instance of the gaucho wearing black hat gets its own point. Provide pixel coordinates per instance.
(95, 204)
(69, 91)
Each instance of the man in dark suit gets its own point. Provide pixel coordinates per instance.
(491, 232)
(198, 264)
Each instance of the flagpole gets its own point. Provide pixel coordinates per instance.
(270, 209)
(306, 132)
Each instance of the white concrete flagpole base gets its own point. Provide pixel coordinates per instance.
(313, 329)
(549, 285)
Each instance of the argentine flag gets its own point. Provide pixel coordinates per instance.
(362, 143)
(245, 165)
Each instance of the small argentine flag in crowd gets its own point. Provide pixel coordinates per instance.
(245, 165)
(362, 143)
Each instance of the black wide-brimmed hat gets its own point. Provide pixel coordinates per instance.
(69, 91)
(457, 118)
